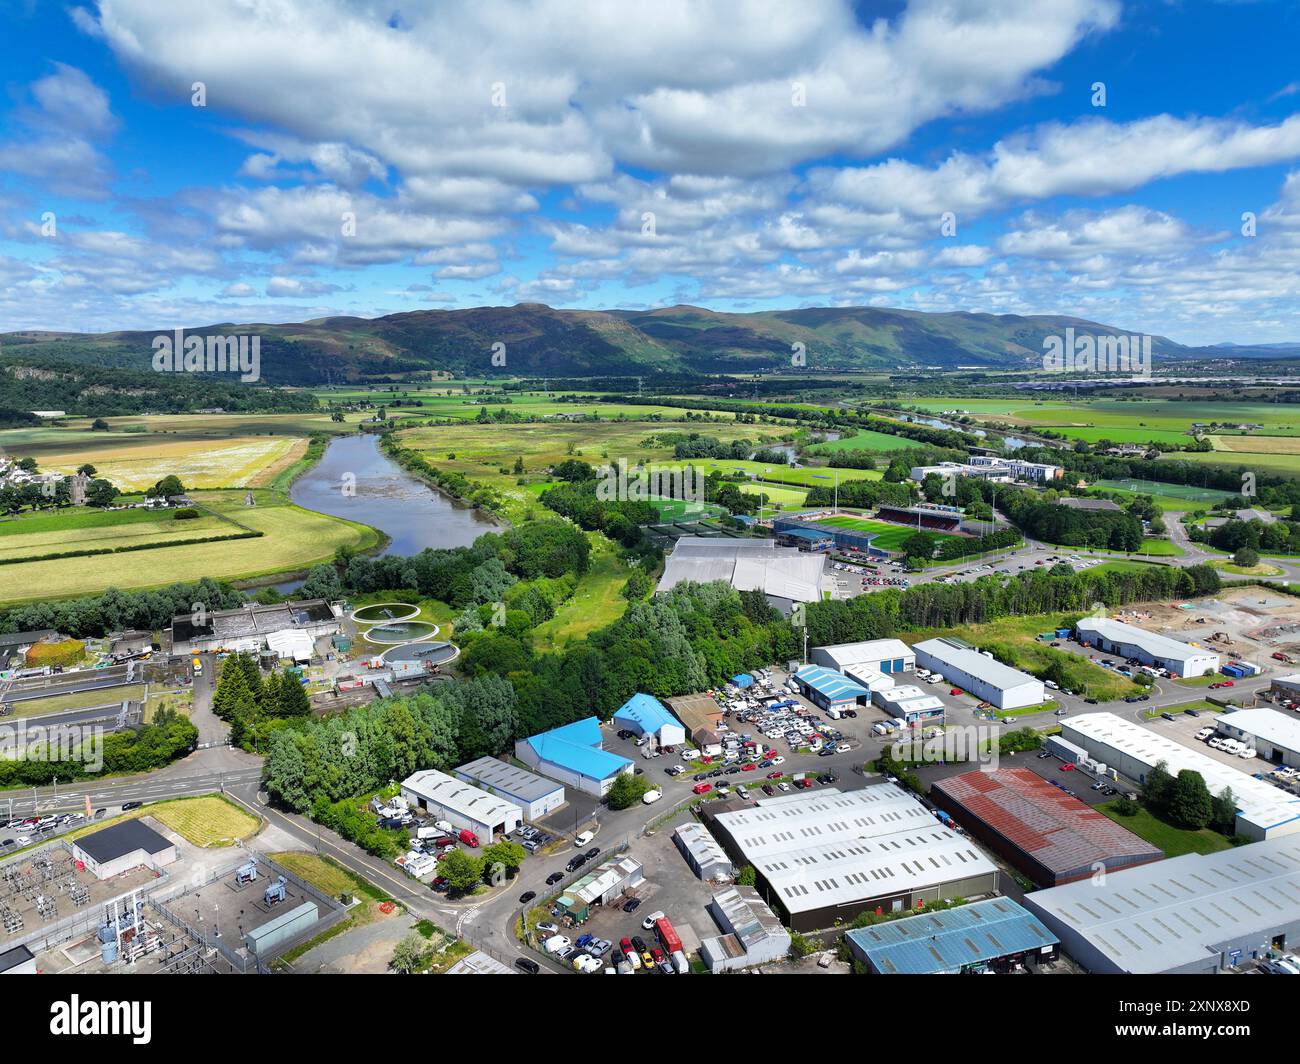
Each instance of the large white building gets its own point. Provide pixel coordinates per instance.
(888, 656)
(1263, 811)
(1150, 648)
(825, 856)
(989, 467)
(461, 804)
(1274, 736)
(963, 666)
(1195, 914)
(785, 575)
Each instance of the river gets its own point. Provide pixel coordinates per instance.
(387, 497)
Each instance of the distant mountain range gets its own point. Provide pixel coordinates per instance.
(539, 340)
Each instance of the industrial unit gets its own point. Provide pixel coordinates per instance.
(984, 677)
(785, 575)
(844, 538)
(247, 628)
(1274, 736)
(888, 656)
(462, 805)
(1195, 914)
(707, 859)
(829, 690)
(603, 885)
(1129, 641)
(535, 795)
(751, 933)
(574, 755)
(123, 846)
(910, 703)
(1263, 811)
(646, 715)
(1046, 833)
(825, 856)
(700, 714)
(993, 935)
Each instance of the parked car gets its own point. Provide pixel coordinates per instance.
(527, 896)
(631, 905)
(525, 964)
(554, 878)
(702, 788)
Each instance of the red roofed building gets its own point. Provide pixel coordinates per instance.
(1049, 835)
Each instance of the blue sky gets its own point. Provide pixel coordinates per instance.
(359, 158)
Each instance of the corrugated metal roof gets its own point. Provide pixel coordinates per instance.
(1176, 913)
(577, 747)
(647, 712)
(1155, 644)
(973, 663)
(830, 684)
(947, 941)
(460, 797)
(1055, 828)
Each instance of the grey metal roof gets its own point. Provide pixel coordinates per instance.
(121, 839)
(1179, 912)
(509, 779)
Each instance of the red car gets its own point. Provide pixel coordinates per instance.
(775, 775)
(625, 944)
(955, 691)
(748, 768)
(702, 788)
(803, 784)
(1067, 767)
(1226, 683)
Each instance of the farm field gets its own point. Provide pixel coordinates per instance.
(865, 440)
(293, 539)
(801, 476)
(199, 464)
(81, 529)
(1281, 464)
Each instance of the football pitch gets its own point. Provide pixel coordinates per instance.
(888, 536)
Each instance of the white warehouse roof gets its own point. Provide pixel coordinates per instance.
(440, 789)
(971, 661)
(828, 848)
(1156, 645)
(842, 655)
(1267, 724)
(1174, 913)
(1258, 803)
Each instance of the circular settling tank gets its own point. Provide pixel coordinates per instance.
(385, 612)
(401, 632)
(428, 652)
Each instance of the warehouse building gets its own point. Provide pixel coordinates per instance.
(535, 795)
(574, 755)
(699, 714)
(751, 932)
(247, 628)
(986, 678)
(1285, 687)
(829, 690)
(464, 806)
(994, 935)
(910, 703)
(1046, 833)
(646, 715)
(888, 656)
(1274, 736)
(1159, 651)
(123, 846)
(873, 681)
(1263, 811)
(825, 856)
(785, 575)
(707, 859)
(1191, 915)
(858, 539)
(603, 885)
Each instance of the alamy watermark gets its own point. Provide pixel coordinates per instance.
(60, 744)
(179, 353)
(1111, 353)
(975, 743)
(642, 483)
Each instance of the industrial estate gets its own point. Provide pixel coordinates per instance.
(822, 638)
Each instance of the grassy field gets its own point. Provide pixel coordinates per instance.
(32, 535)
(1262, 569)
(206, 821)
(782, 495)
(293, 539)
(597, 601)
(1174, 841)
(1281, 464)
(1176, 497)
(865, 440)
(39, 707)
(888, 536)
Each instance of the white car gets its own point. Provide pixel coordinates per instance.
(584, 838)
(556, 943)
(842, 748)
(1204, 733)
(651, 796)
(548, 929)
(587, 965)
(778, 760)
(649, 922)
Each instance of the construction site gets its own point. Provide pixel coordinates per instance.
(1248, 623)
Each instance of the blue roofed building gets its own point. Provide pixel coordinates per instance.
(830, 690)
(646, 715)
(991, 935)
(575, 755)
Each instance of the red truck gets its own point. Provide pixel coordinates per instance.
(667, 935)
(468, 837)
